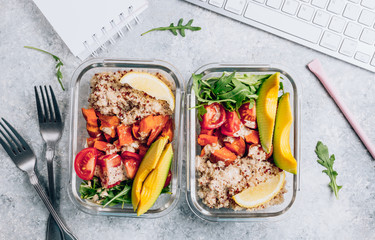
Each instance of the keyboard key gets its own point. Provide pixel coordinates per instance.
(368, 3)
(337, 24)
(274, 3)
(367, 17)
(321, 18)
(353, 30)
(363, 57)
(306, 12)
(319, 3)
(290, 6)
(368, 36)
(330, 40)
(259, 1)
(283, 22)
(217, 3)
(352, 11)
(348, 47)
(235, 6)
(336, 6)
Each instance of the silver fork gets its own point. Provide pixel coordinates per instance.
(24, 158)
(51, 127)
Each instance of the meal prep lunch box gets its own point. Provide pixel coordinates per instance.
(80, 91)
(193, 149)
(185, 140)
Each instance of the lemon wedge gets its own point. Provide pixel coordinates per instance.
(262, 193)
(149, 84)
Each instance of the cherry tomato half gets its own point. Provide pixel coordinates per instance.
(232, 124)
(248, 116)
(168, 180)
(85, 162)
(131, 162)
(214, 117)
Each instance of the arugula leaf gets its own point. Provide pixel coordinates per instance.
(120, 194)
(180, 28)
(327, 161)
(58, 65)
(231, 90)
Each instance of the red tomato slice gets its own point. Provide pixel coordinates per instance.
(85, 162)
(127, 155)
(214, 117)
(231, 125)
(248, 116)
(109, 161)
(131, 162)
(168, 180)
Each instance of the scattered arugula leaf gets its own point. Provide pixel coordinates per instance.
(119, 194)
(180, 28)
(231, 90)
(58, 65)
(327, 161)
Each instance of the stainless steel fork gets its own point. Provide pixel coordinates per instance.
(51, 127)
(24, 158)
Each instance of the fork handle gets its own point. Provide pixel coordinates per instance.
(50, 153)
(64, 229)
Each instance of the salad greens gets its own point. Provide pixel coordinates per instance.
(119, 194)
(327, 161)
(180, 28)
(59, 64)
(231, 90)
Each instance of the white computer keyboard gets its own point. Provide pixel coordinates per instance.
(340, 28)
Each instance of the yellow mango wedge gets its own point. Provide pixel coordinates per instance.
(282, 154)
(266, 106)
(154, 183)
(148, 164)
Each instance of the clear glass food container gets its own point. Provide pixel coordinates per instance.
(80, 90)
(193, 149)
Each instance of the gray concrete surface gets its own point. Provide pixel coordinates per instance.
(316, 215)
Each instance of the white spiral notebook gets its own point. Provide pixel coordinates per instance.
(87, 26)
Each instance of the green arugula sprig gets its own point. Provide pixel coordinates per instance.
(58, 65)
(180, 28)
(119, 194)
(327, 161)
(231, 90)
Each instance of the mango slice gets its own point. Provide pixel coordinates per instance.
(282, 154)
(155, 181)
(266, 106)
(148, 164)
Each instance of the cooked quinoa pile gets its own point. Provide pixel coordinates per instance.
(218, 183)
(110, 97)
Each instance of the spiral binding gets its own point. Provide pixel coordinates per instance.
(108, 38)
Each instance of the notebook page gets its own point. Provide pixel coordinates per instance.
(77, 20)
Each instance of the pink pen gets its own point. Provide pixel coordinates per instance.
(316, 68)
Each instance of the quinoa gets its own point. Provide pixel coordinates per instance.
(219, 183)
(110, 97)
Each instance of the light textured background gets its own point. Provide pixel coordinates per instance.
(316, 215)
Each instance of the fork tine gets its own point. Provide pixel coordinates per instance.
(52, 118)
(18, 136)
(10, 144)
(46, 115)
(18, 147)
(55, 106)
(5, 146)
(38, 106)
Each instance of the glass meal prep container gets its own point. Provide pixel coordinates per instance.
(193, 149)
(80, 90)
